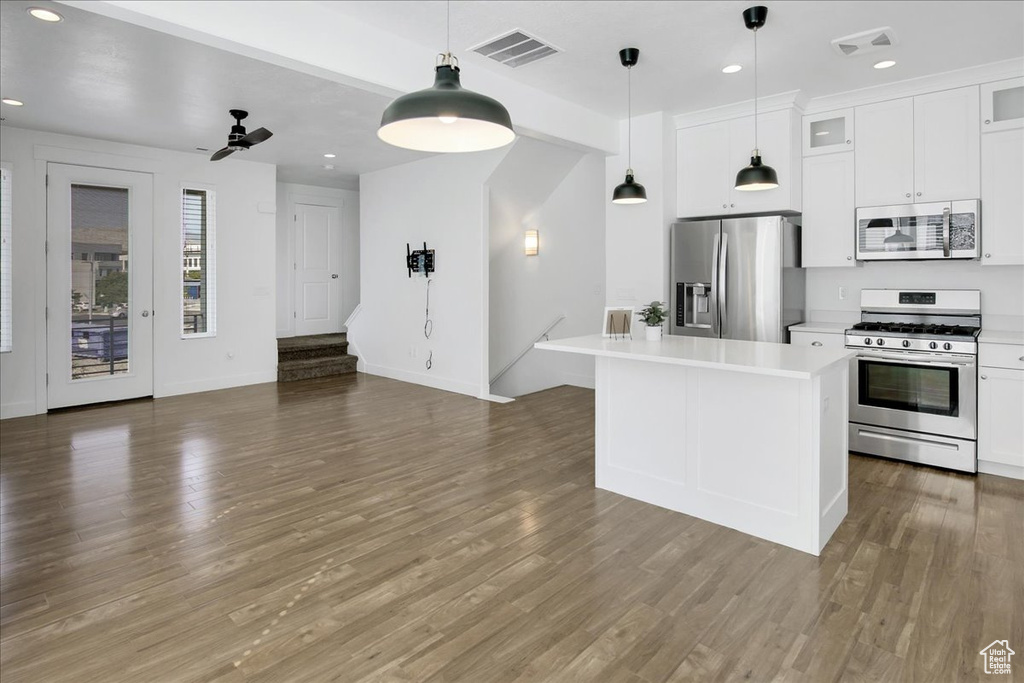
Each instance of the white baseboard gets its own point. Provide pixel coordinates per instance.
(1000, 470)
(423, 379)
(214, 383)
(584, 381)
(20, 409)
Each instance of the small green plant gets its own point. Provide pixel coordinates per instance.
(653, 314)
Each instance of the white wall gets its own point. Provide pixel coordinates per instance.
(636, 240)
(441, 200)
(1002, 287)
(347, 202)
(558, 192)
(245, 266)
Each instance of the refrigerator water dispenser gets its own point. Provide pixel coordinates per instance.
(693, 304)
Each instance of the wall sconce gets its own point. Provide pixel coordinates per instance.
(531, 243)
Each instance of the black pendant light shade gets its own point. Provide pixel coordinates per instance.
(757, 176)
(630, 191)
(446, 117)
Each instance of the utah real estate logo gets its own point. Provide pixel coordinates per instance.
(997, 657)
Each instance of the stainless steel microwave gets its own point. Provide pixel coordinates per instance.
(936, 230)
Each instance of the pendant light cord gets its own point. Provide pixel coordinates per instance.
(755, 92)
(448, 28)
(629, 119)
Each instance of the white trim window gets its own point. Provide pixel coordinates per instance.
(6, 262)
(198, 263)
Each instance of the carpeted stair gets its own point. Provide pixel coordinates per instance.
(319, 355)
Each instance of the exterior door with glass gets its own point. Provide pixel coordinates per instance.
(99, 271)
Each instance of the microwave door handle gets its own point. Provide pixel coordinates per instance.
(945, 232)
(715, 254)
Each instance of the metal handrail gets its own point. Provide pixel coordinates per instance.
(526, 349)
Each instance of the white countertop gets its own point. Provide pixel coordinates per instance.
(828, 328)
(761, 358)
(1001, 337)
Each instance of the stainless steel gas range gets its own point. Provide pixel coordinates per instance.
(913, 382)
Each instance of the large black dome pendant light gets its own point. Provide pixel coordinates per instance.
(756, 176)
(446, 117)
(629, 192)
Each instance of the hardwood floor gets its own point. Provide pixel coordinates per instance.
(361, 529)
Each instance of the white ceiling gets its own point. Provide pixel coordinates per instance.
(684, 45)
(102, 78)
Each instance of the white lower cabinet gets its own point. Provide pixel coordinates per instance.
(1001, 412)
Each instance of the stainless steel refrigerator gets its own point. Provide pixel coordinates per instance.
(737, 278)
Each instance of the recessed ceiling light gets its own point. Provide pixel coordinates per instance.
(45, 14)
(330, 156)
(731, 69)
(12, 102)
(885, 64)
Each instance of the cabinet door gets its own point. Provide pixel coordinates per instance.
(828, 133)
(1002, 206)
(826, 340)
(947, 145)
(1000, 405)
(774, 139)
(702, 165)
(829, 220)
(1002, 105)
(885, 153)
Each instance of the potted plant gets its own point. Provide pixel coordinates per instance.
(653, 315)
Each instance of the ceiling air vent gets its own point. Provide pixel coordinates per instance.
(865, 42)
(516, 49)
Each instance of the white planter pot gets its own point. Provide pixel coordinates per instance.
(654, 333)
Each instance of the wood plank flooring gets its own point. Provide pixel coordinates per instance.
(361, 529)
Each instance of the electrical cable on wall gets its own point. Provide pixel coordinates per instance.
(428, 326)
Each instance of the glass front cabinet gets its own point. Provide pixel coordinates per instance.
(1002, 105)
(828, 132)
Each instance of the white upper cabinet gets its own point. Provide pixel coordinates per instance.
(885, 153)
(920, 149)
(827, 233)
(1002, 207)
(947, 146)
(702, 159)
(709, 156)
(829, 132)
(1002, 105)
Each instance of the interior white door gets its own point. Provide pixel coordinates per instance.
(317, 283)
(99, 270)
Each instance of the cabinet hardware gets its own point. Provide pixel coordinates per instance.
(908, 194)
(849, 258)
(1021, 358)
(725, 206)
(987, 121)
(988, 255)
(984, 376)
(848, 142)
(816, 343)
(732, 206)
(918, 194)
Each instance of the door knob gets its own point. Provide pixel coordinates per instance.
(334, 276)
(145, 314)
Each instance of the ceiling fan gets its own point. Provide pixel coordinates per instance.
(237, 139)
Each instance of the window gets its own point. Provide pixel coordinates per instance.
(198, 263)
(5, 258)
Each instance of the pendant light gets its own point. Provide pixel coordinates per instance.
(629, 192)
(756, 176)
(446, 117)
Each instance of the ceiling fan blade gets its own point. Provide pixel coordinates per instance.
(257, 136)
(221, 153)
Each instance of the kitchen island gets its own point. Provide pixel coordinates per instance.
(749, 435)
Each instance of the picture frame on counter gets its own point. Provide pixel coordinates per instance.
(618, 322)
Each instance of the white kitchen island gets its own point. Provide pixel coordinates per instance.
(749, 435)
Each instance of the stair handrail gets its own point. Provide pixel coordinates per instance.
(355, 314)
(526, 349)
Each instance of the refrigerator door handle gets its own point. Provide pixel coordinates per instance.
(723, 297)
(715, 312)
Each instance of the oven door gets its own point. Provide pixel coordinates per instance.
(920, 392)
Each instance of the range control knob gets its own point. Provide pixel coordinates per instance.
(906, 343)
(868, 341)
(881, 342)
(932, 345)
(947, 346)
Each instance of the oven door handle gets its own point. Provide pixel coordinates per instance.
(911, 361)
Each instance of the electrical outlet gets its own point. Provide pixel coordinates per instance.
(842, 293)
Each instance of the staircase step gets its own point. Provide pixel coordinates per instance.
(314, 346)
(310, 368)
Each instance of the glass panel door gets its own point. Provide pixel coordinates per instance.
(99, 281)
